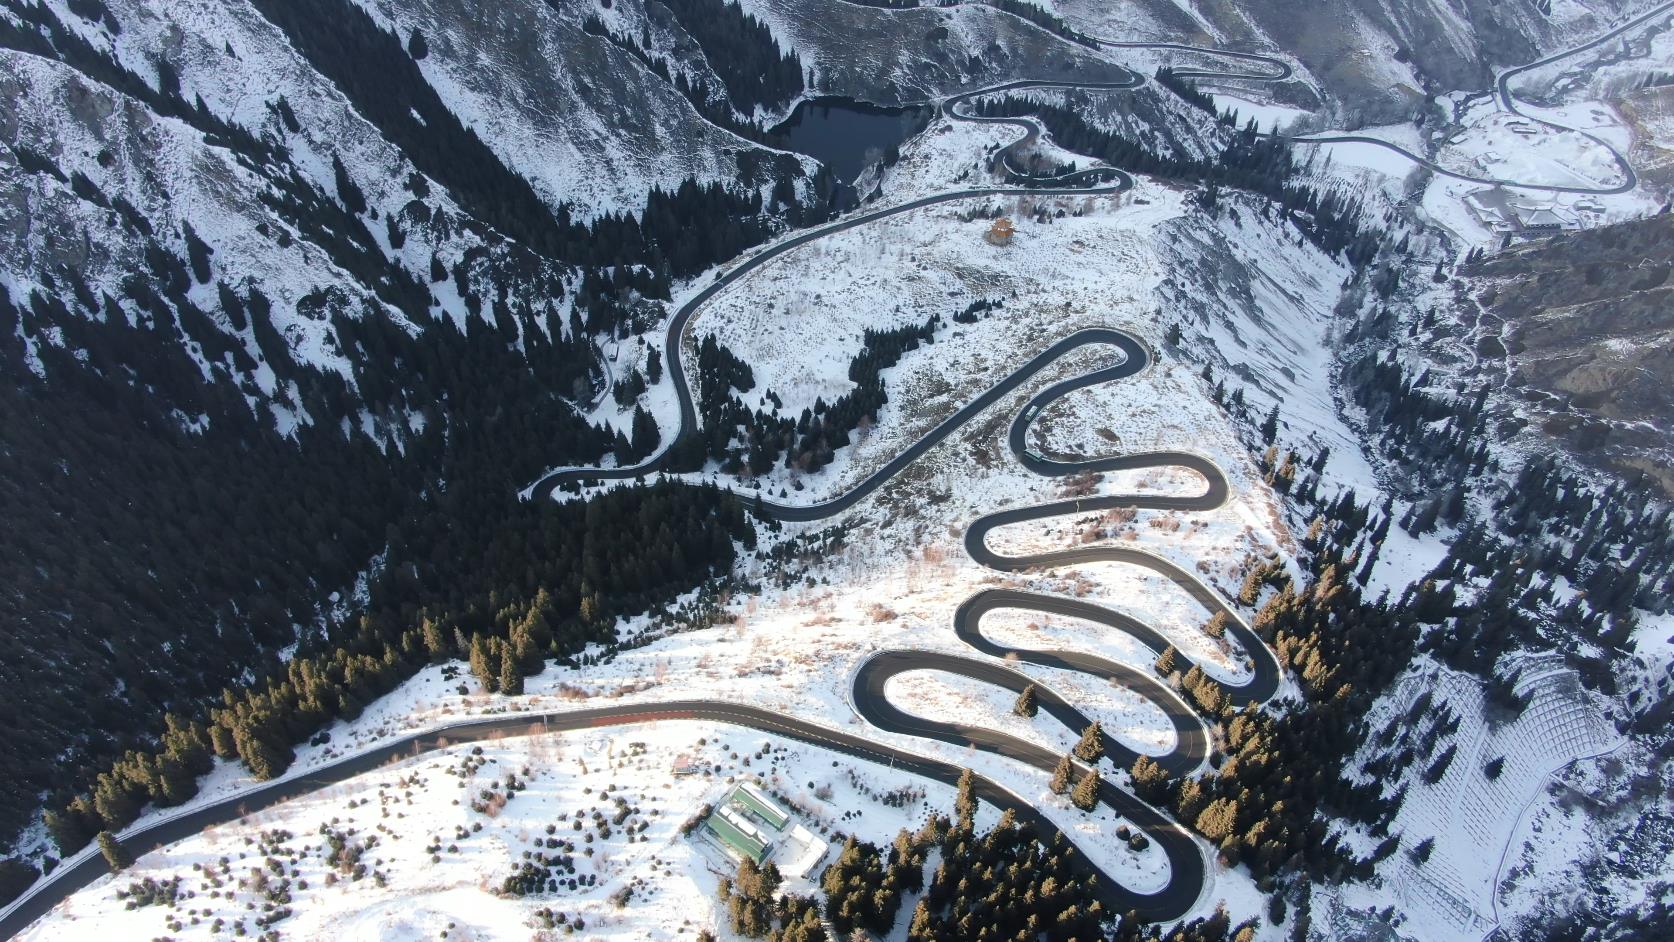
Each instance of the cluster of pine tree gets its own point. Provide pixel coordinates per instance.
(863, 889)
(1003, 884)
(1021, 9)
(978, 309)
(742, 52)
(1248, 161)
(712, 106)
(1442, 433)
(721, 417)
(1612, 539)
(136, 542)
(822, 430)
(717, 104)
(1188, 91)
(375, 71)
(755, 910)
(150, 496)
(752, 441)
(506, 588)
(1262, 806)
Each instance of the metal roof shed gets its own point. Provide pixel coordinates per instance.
(735, 839)
(756, 802)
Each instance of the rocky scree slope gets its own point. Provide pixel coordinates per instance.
(1586, 338)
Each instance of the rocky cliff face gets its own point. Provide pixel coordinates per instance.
(1588, 339)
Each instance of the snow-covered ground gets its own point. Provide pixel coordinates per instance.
(800, 318)
(1250, 300)
(441, 833)
(902, 570)
(1494, 144)
(1474, 812)
(1268, 116)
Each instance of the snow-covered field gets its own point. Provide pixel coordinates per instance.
(1501, 146)
(438, 836)
(1267, 116)
(800, 318)
(1474, 812)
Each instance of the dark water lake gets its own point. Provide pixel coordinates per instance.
(848, 135)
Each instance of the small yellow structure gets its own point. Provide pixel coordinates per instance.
(1001, 231)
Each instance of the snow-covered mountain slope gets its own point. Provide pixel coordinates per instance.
(791, 646)
(1376, 59)
(893, 56)
(582, 119)
(226, 251)
(113, 148)
(586, 122)
(321, 244)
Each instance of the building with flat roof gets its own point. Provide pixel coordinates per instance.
(736, 841)
(756, 802)
(748, 822)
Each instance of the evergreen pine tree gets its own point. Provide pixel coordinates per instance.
(1150, 780)
(69, 832)
(1061, 776)
(1026, 705)
(116, 856)
(1166, 661)
(1086, 793)
(646, 434)
(965, 802)
(511, 673)
(1215, 627)
(1218, 819)
(485, 662)
(922, 928)
(1091, 746)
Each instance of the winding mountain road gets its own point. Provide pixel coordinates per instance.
(990, 663)
(1508, 102)
(1187, 866)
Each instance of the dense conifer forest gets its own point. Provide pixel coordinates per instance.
(751, 442)
(1248, 161)
(743, 53)
(170, 536)
(1002, 883)
(1546, 528)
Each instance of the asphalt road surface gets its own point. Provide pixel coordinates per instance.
(1508, 101)
(1187, 864)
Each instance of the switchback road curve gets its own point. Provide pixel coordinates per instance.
(1508, 101)
(1187, 869)
(1186, 862)
(1187, 873)
(673, 345)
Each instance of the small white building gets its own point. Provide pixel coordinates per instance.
(1501, 211)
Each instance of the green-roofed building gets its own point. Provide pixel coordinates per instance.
(734, 839)
(756, 802)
